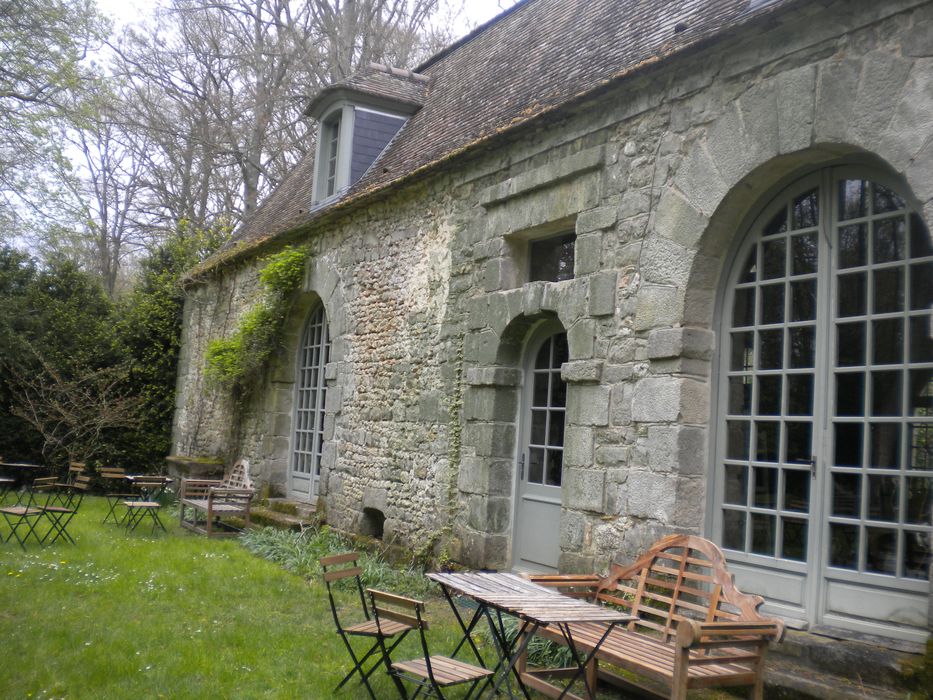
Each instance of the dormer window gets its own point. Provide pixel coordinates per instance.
(358, 119)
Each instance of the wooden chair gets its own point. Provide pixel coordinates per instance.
(116, 491)
(339, 567)
(430, 673)
(60, 516)
(29, 512)
(204, 503)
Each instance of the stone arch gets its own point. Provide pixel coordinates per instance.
(321, 286)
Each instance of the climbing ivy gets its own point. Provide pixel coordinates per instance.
(236, 361)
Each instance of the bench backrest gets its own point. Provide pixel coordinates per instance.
(680, 576)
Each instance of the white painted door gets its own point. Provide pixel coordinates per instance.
(824, 473)
(308, 419)
(536, 542)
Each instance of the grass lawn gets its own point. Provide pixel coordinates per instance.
(129, 615)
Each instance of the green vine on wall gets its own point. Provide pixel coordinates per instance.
(234, 362)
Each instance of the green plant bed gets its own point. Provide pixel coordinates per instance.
(172, 615)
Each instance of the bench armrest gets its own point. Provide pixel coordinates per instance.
(196, 487)
(696, 635)
(572, 585)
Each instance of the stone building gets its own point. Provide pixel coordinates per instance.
(606, 269)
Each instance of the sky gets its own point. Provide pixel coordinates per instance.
(475, 11)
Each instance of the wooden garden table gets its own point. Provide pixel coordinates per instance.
(534, 606)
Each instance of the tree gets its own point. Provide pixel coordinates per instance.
(43, 79)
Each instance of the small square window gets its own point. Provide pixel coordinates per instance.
(551, 259)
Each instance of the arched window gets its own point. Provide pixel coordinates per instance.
(310, 391)
(823, 475)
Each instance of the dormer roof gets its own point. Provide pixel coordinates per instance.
(377, 85)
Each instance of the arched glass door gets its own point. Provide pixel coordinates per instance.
(308, 422)
(536, 542)
(824, 449)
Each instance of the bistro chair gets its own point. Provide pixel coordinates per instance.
(430, 673)
(60, 515)
(28, 513)
(339, 567)
(145, 504)
(116, 491)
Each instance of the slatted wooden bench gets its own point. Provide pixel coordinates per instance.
(204, 503)
(695, 628)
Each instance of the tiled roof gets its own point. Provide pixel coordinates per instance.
(377, 80)
(535, 57)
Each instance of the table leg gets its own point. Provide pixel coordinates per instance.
(467, 629)
(580, 660)
(505, 664)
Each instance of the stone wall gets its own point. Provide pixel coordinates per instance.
(429, 313)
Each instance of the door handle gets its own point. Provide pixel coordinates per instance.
(521, 467)
(812, 466)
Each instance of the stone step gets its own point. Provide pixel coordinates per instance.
(291, 507)
(262, 516)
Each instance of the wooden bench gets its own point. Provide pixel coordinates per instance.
(695, 629)
(203, 503)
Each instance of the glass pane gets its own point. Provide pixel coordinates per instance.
(803, 300)
(555, 436)
(921, 344)
(853, 246)
(765, 495)
(561, 350)
(883, 498)
(743, 351)
(917, 549)
(737, 432)
(733, 529)
(535, 465)
(851, 300)
(798, 447)
(554, 467)
(850, 344)
(919, 500)
(551, 259)
(889, 341)
(850, 394)
(802, 346)
(740, 396)
(921, 286)
(770, 349)
(543, 358)
(794, 545)
(888, 241)
(769, 396)
(796, 490)
(743, 312)
(767, 440)
(921, 244)
(763, 534)
(881, 550)
(749, 271)
(847, 495)
(539, 395)
(885, 445)
(920, 441)
(885, 200)
(843, 546)
(803, 251)
(772, 303)
(736, 484)
(920, 399)
(773, 258)
(778, 224)
(558, 391)
(848, 444)
(853, 199)
(805, 212)
(538, 424)
(889, 290)
(800, 395)
(886, 393)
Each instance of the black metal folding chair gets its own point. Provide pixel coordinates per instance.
(145, 504)
(27, 513)
(116, 491)
(429, 673)
(59, 516)
(368, 628)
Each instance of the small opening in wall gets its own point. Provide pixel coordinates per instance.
(373, 523)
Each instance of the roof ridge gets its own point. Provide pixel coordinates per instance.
(398, 72)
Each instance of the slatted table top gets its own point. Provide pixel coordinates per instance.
(518, 596)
